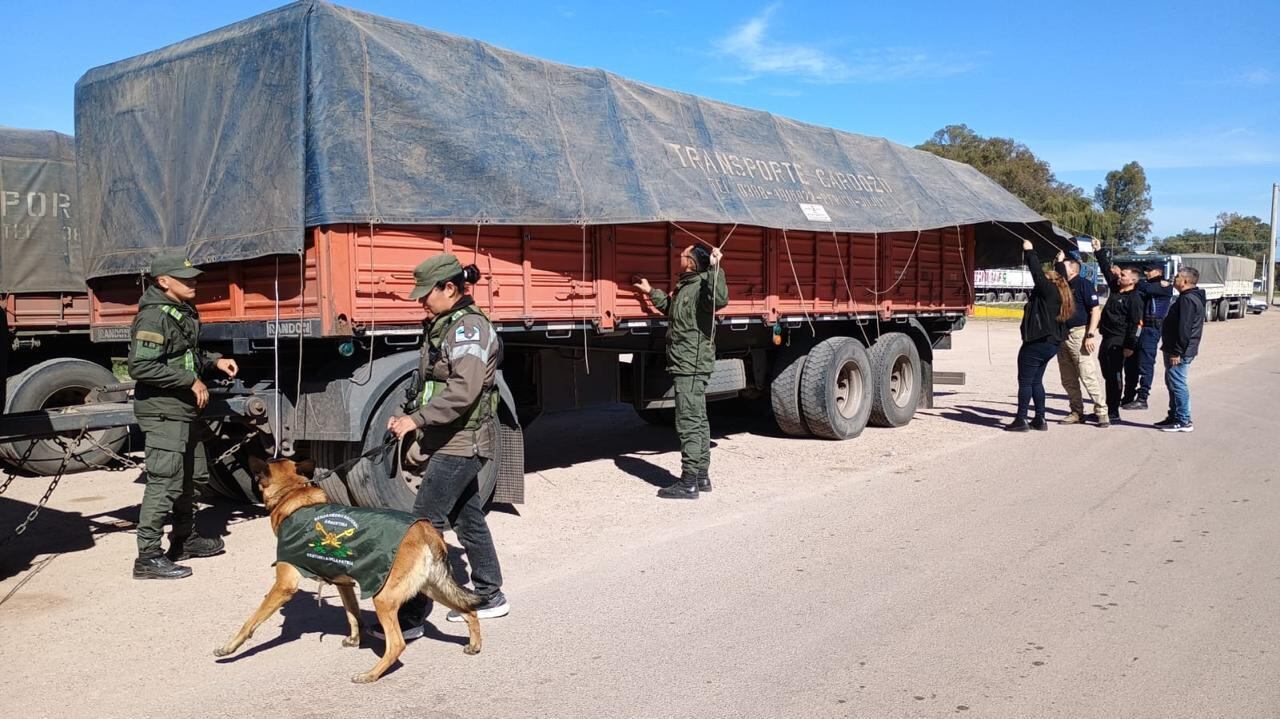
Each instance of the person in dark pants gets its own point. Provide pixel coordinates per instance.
(453, 422)
(1140, 369)
(166, 363)
(1049, 305)
(691, 358)
(1120, 325)
(1180, 342)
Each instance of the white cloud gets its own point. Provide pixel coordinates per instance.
(1257, 77)
(751, 47)
(1230, 148)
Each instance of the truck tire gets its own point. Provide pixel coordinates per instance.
(61, 382)
(784, 392)
(364, 486)
(835, 388)
(1006, 297)
(896, 380)
(1223, 309)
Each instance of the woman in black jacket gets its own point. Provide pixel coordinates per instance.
(1048, 307)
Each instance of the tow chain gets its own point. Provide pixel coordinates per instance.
(57, 477)
(238, 445)
(12, 472)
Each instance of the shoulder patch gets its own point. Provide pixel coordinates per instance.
(149, 336)
(465, 333)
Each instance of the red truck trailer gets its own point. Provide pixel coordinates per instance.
(310, 183)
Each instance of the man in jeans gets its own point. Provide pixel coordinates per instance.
(1077, 356)
(1140, 368)
(1180, 342)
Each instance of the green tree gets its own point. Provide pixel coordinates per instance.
(1127, 195)
(1242, 235)
(1017, 169)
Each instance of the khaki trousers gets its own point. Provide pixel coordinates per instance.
(1078, 368)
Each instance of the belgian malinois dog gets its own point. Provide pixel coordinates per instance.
(421, 565)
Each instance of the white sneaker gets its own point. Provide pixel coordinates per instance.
(494, 606)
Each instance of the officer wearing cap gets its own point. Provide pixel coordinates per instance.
(451, 423)
(166, 362)
(691, 358)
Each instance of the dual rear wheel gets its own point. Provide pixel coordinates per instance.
(837, 387)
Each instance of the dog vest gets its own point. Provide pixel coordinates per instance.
(329, 540)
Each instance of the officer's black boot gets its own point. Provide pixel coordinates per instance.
(704, 480)
(195, 546)
(158, 566)
(684, 488)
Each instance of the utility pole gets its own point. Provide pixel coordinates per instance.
(1215, 238)
(1271, 247)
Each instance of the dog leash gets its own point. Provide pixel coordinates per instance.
(389, 440)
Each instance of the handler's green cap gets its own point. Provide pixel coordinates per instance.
(173, 264)
(432, 272)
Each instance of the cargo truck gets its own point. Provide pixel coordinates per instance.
(310, 157)
(1227, 280)
(49, 361)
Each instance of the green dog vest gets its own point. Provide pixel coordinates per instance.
(329, 540)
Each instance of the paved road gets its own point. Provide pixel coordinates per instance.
(940, 569)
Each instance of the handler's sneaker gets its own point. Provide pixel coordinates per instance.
(1135, 404)
(1166, 422)
(495, 606)
(412, 618)
(1179, 427)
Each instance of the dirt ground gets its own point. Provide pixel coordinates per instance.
(941, 568)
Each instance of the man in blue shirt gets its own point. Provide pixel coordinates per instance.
(1078, 354)
(1140, 369)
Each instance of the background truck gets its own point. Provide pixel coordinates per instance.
(49, 360)
(1006, 284)
(310, 183)
(1227, 280)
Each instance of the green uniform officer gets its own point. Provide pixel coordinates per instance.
(166, 362)
(691, 358)
(454, 430)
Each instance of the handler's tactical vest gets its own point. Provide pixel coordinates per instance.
(186, 360)
(486, 404)
(330, 540)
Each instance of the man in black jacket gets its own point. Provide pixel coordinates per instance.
(1140, 369)
(1121, 322)
(1180, 342)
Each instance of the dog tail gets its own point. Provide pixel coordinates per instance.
(445, 590)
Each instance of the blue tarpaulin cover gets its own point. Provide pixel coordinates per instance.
(39, 243)
(231, 143)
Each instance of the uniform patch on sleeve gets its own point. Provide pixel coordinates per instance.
(148, 336)
(464, 333)
(148, 350)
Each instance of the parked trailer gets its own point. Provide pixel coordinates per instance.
(50, 360)
(1006, 284)
(311, 183)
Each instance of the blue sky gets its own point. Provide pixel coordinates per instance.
(1189, 89)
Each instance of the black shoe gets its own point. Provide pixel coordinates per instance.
(1040, 425)
(684, 488)
(1134, 404)
(196, 547)
(1114, 417)
(1166, 422)
(704, 481)
(158, 567)
(412, 617)
(1179, 427)
(1017, 425)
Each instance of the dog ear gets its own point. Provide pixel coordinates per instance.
(306, 467)
(257, 465)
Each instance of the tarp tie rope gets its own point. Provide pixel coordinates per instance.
(905, 267)
(796, 277)
(275, 359)
(586, 355)
(973, 292)
(844, 275)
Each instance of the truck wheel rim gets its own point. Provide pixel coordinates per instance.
(902, 381)
(848, 390)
